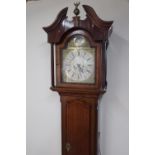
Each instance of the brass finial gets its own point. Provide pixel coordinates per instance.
(76, 10)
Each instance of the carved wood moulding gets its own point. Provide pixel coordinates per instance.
(99, 29)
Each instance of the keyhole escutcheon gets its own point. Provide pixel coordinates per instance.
(68, 147)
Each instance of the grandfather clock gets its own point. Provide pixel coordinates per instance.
(78, 74)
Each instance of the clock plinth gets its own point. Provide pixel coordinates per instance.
(78, 74)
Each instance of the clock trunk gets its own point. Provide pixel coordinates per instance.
(79, 125)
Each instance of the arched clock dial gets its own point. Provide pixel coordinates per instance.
(78, 63)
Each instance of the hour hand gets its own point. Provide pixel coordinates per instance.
(75, 67)
(80, 68)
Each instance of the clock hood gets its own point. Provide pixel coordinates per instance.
(98, 28)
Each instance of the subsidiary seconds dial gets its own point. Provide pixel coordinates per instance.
(78, 65)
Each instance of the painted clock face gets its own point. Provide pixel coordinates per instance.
(78, 61)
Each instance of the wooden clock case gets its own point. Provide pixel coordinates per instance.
(79, 102)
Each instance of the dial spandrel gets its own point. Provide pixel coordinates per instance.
(78, 61)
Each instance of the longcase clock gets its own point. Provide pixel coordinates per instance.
(78, 74)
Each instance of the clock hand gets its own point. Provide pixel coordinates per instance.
(78, 52)
(80, 68)
(75, 67)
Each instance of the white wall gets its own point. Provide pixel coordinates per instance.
(43, 105)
